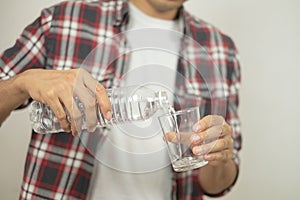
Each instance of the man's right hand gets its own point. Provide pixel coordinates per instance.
(57, 88)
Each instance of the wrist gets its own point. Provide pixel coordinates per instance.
(20, 85)
(216, 178)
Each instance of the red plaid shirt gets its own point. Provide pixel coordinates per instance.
(58, 166)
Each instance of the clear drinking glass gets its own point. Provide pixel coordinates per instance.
(177, 131)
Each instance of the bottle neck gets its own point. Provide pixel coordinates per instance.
(162, 99)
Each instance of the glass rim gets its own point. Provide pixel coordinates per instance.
(179, 112)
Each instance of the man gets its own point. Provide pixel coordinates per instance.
(44, 66)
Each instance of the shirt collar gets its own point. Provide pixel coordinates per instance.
(122, 13)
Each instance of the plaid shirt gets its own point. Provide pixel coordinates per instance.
(58, 166)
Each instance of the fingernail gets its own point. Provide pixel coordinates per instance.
(195, 138)
(208, 157)
(196, 128)
(108, 115)
(98, 88)
(175, 139)
(197, 150)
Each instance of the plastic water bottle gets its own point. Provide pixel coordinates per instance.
(132, 103)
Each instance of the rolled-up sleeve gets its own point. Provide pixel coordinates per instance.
(29, 50)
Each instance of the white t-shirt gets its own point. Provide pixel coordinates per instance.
(134, 162)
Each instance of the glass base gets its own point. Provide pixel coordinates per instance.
(188, 163)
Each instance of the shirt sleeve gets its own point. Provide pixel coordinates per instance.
(186, 184)
(232, 116)
(29, 50)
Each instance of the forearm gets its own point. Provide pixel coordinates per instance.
(11, 96)
(215, 179)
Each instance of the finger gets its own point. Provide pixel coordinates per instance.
(77, 120)
(207, 122)
(203, 149)
(171, 137)
(213, 133)
(100, 93)
(61, 115)
(91, 114)
(208, 135)
(87, 105)
(191, 139)
(182, 137)
(217, 157)
(215, 146)
(103, 101)
(72, 110)
(227, 129)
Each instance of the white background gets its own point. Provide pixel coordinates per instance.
(267, 34)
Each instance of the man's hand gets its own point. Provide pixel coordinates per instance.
(57, 89)
(213, 138)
